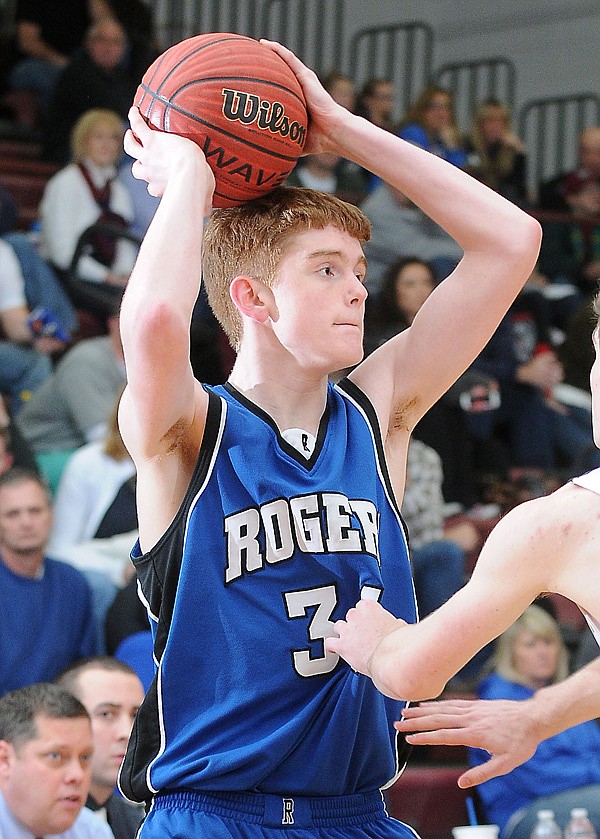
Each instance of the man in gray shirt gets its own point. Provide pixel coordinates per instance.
(72, 406)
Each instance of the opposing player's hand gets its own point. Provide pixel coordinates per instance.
(159, 154)
(323, 111)
(357, 637)
(501, 727)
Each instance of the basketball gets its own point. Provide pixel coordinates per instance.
(237, 100)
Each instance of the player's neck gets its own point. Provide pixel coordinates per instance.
(293, 401)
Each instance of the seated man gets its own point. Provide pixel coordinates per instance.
(45, 766)
(571, 251)
(74, 403)
(111, 693)
(48, 621)
(400, 228)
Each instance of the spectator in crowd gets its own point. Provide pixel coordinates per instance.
(571, 251)
(73, 405)
(430, 123)
(399, 228)
(531, 655)
(440, 545)
(46, 40)
(48, 621)
(9, 212)
(329, 173)
(111, 693)
(407, 284)
(376, 102)
(94, 78)
(540, 432)
(438, 560)
(95, 516)
(45, 766)
(25, 356)
(576, 352)
(496, 155)
(14, 450)
(341, 88)
(135, 16)
(84, 192)
(41, 285)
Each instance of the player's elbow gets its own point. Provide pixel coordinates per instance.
(154, 321)
(407, 679)
(522, 245)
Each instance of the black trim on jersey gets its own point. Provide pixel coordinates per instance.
(158, 573)
(290, 450)
(354, 392)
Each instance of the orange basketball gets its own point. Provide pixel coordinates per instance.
(237, 100)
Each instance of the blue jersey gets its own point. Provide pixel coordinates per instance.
(267, 551)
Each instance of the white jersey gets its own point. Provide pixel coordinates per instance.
(591, 481)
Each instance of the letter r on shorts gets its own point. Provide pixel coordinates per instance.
(287, 817)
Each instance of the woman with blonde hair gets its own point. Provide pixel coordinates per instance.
(564, 772)
(83, 193)
(496, 156)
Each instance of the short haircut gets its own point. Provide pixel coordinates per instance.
(251, 239)
(21, 475)
(540, 624)
(68, 678)
(20, 709)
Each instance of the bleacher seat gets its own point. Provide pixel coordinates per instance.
(429, 799)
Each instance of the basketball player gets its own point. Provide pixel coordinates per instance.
(269, 505)
(549, 544)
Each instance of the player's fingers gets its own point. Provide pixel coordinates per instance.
(332, 644)
(440, 711)
(439, 737)
(498, 765)
(131, 144)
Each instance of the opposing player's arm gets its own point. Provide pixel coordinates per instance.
(510, 731)
(416, 661)
(163, 402)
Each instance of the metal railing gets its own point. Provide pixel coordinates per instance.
(550, 129)
(472, 82)
(401, 53)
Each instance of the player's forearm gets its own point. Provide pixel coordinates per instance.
(398, 668)
(475, 216)
(167, 270)
(568, 703)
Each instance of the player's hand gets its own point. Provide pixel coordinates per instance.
(357, 637)
(158, 155)
(501, 727)
(323, 111)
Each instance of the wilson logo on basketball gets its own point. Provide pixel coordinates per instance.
(248, 108)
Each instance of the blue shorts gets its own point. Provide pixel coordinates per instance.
(197, 815)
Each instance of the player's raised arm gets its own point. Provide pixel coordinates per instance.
(500, 244)
(162, 290)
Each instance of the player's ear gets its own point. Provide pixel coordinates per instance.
(252, 298)
(7, 754)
